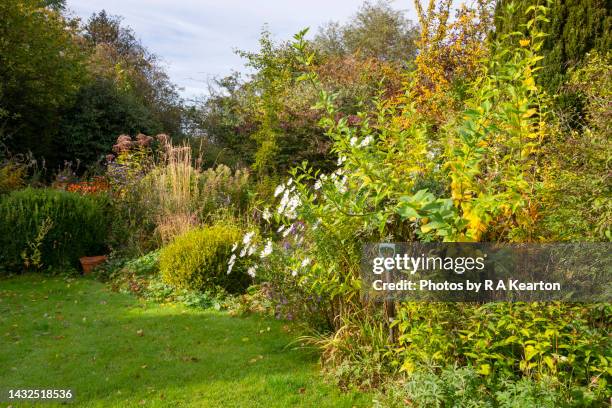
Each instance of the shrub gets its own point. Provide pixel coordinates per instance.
(12, 176)
(47, 228)
(220, 188)
(198, 260)
(133, 223)
(529, 340)
(463, 387)
(145, 265)
(160, 292)
(131, 276)
(576, 169)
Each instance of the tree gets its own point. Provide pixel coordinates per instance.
(57, 5)
(224, 121)
(101, 112)
(451, 51)
(127, 93)
(41, 70)
(120, 57)
(377, 30)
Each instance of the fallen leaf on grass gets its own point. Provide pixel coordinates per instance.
(140, 333)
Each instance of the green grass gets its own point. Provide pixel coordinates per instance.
(114, 350)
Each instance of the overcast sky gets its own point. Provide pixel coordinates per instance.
(196, 38)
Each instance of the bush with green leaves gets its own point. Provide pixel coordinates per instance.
(563, 341)
(12, 176)
(476, 178)
(160, 292)
(198, 260)
(42, 228)
(576, 172)
(145, 265)
(120, 272)
(464, 387)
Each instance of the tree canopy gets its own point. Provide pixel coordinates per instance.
(376, 30)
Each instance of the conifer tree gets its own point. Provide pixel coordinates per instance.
(576, 28)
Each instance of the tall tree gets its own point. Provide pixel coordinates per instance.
(128, 92)
(376, 30)
(41, 70)
(120, 56)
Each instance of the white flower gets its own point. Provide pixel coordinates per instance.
(267, 249)
(293, 272)
(235, 246)
(353, 141)
(232, 259)
(341, 159)
(251, 250)
(305, 262)
(293, 203)
(283, 202)
(267, 214)
(251, 271)
(288, 231)
(317, 185)
(341, 185)
(243, 252)
(289, 181)
(229, 267)
(247, 237)
(368, 139)
(279, 189)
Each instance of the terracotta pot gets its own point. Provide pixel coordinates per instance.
(90, 262)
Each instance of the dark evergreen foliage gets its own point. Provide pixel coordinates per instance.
(576, 27)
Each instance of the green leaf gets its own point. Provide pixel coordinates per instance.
(484, 369)
(406, 212)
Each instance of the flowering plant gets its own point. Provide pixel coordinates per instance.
(98, 184)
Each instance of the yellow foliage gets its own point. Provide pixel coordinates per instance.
(449, 52)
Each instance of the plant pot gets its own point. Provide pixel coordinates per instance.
(90, 262)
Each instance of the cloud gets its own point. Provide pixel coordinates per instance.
(196, 38)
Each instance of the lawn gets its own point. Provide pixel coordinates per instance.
(114, 350)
